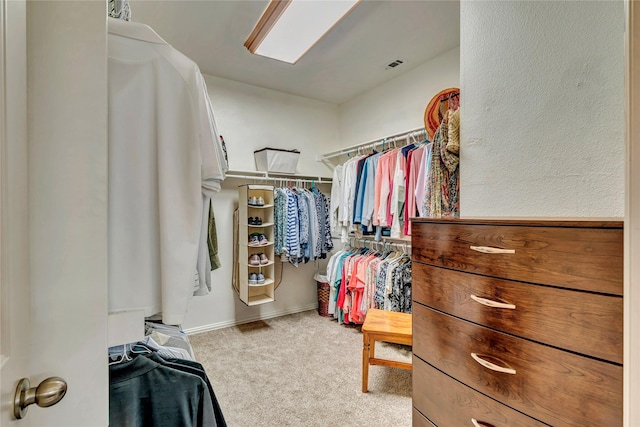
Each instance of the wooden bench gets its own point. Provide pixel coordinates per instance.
(387, 326)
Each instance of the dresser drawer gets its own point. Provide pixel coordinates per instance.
(418, 420)
(448, 402)
(583, 322)
(577, 258)
(551, 385)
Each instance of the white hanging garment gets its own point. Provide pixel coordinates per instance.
(165, 162)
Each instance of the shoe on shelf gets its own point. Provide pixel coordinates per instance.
(263, 259)
(254, 239)
(260, 279)
(253, 279)
(262, 240)
(257, 221)
(254, 259)
(253, 201)
(251, 221)
(260, 201)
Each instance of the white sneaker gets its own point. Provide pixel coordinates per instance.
(253, 279)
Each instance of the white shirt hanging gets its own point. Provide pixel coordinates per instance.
(165, 162)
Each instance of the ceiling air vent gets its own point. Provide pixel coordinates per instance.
(395, 63)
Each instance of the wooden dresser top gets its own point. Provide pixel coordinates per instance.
(529, 221)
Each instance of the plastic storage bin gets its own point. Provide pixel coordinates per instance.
(276, 160)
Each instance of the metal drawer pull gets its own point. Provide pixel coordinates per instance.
(477, 423)
(492, 366)
(492, 250)
(492, 303)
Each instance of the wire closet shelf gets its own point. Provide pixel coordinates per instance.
(399, 139)
(278, 178)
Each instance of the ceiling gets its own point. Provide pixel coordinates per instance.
(350, 59)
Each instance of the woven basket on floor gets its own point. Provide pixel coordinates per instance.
(323, 299)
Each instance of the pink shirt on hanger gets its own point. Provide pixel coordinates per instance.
(382, 188)
(413, 167)
(392, 169)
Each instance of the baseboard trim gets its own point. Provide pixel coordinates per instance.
(236, 322)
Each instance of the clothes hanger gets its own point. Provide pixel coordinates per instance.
(396, 254)
(391, 252)
(124, 357)
(144, 349)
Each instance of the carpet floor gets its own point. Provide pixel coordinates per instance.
(302, 370)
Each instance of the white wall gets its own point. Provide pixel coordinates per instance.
(542, 108)
(249, 118)
(398, 105)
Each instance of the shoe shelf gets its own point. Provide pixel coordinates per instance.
(260, 245)
(249, 196)
(261, 265)
(259, 207)
(260, 298)
(267, 282)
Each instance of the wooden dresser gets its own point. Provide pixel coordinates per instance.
(517, 322)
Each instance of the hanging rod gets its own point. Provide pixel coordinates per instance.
(399, 137)
(272, 176)
(398, 243)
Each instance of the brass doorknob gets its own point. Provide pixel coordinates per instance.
(48, 393)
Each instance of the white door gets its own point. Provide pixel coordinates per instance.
(14, 255)
(53, 190)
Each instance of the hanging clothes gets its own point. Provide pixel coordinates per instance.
(165, 163)
(156, 382)
(143, 392)
(361, 279)
(119, 9)
(348, 197)
(153, 390)
(302, 228)
(336, 199)
(293, 246)
(361, 171)
(379, 192)
(442, 196)
(371, 195)
(212, 241)
(414, 161)
(398, 191)
(421, 180)
(384, 188)
(280, 219)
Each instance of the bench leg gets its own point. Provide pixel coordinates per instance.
(372, 348)
(365, 362)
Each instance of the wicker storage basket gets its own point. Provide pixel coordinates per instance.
(323, 294)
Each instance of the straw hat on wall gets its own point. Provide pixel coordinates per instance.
(437, 108)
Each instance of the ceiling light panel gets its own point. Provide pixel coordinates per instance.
(300, 26)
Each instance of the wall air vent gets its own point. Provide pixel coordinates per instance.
(394, 64)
